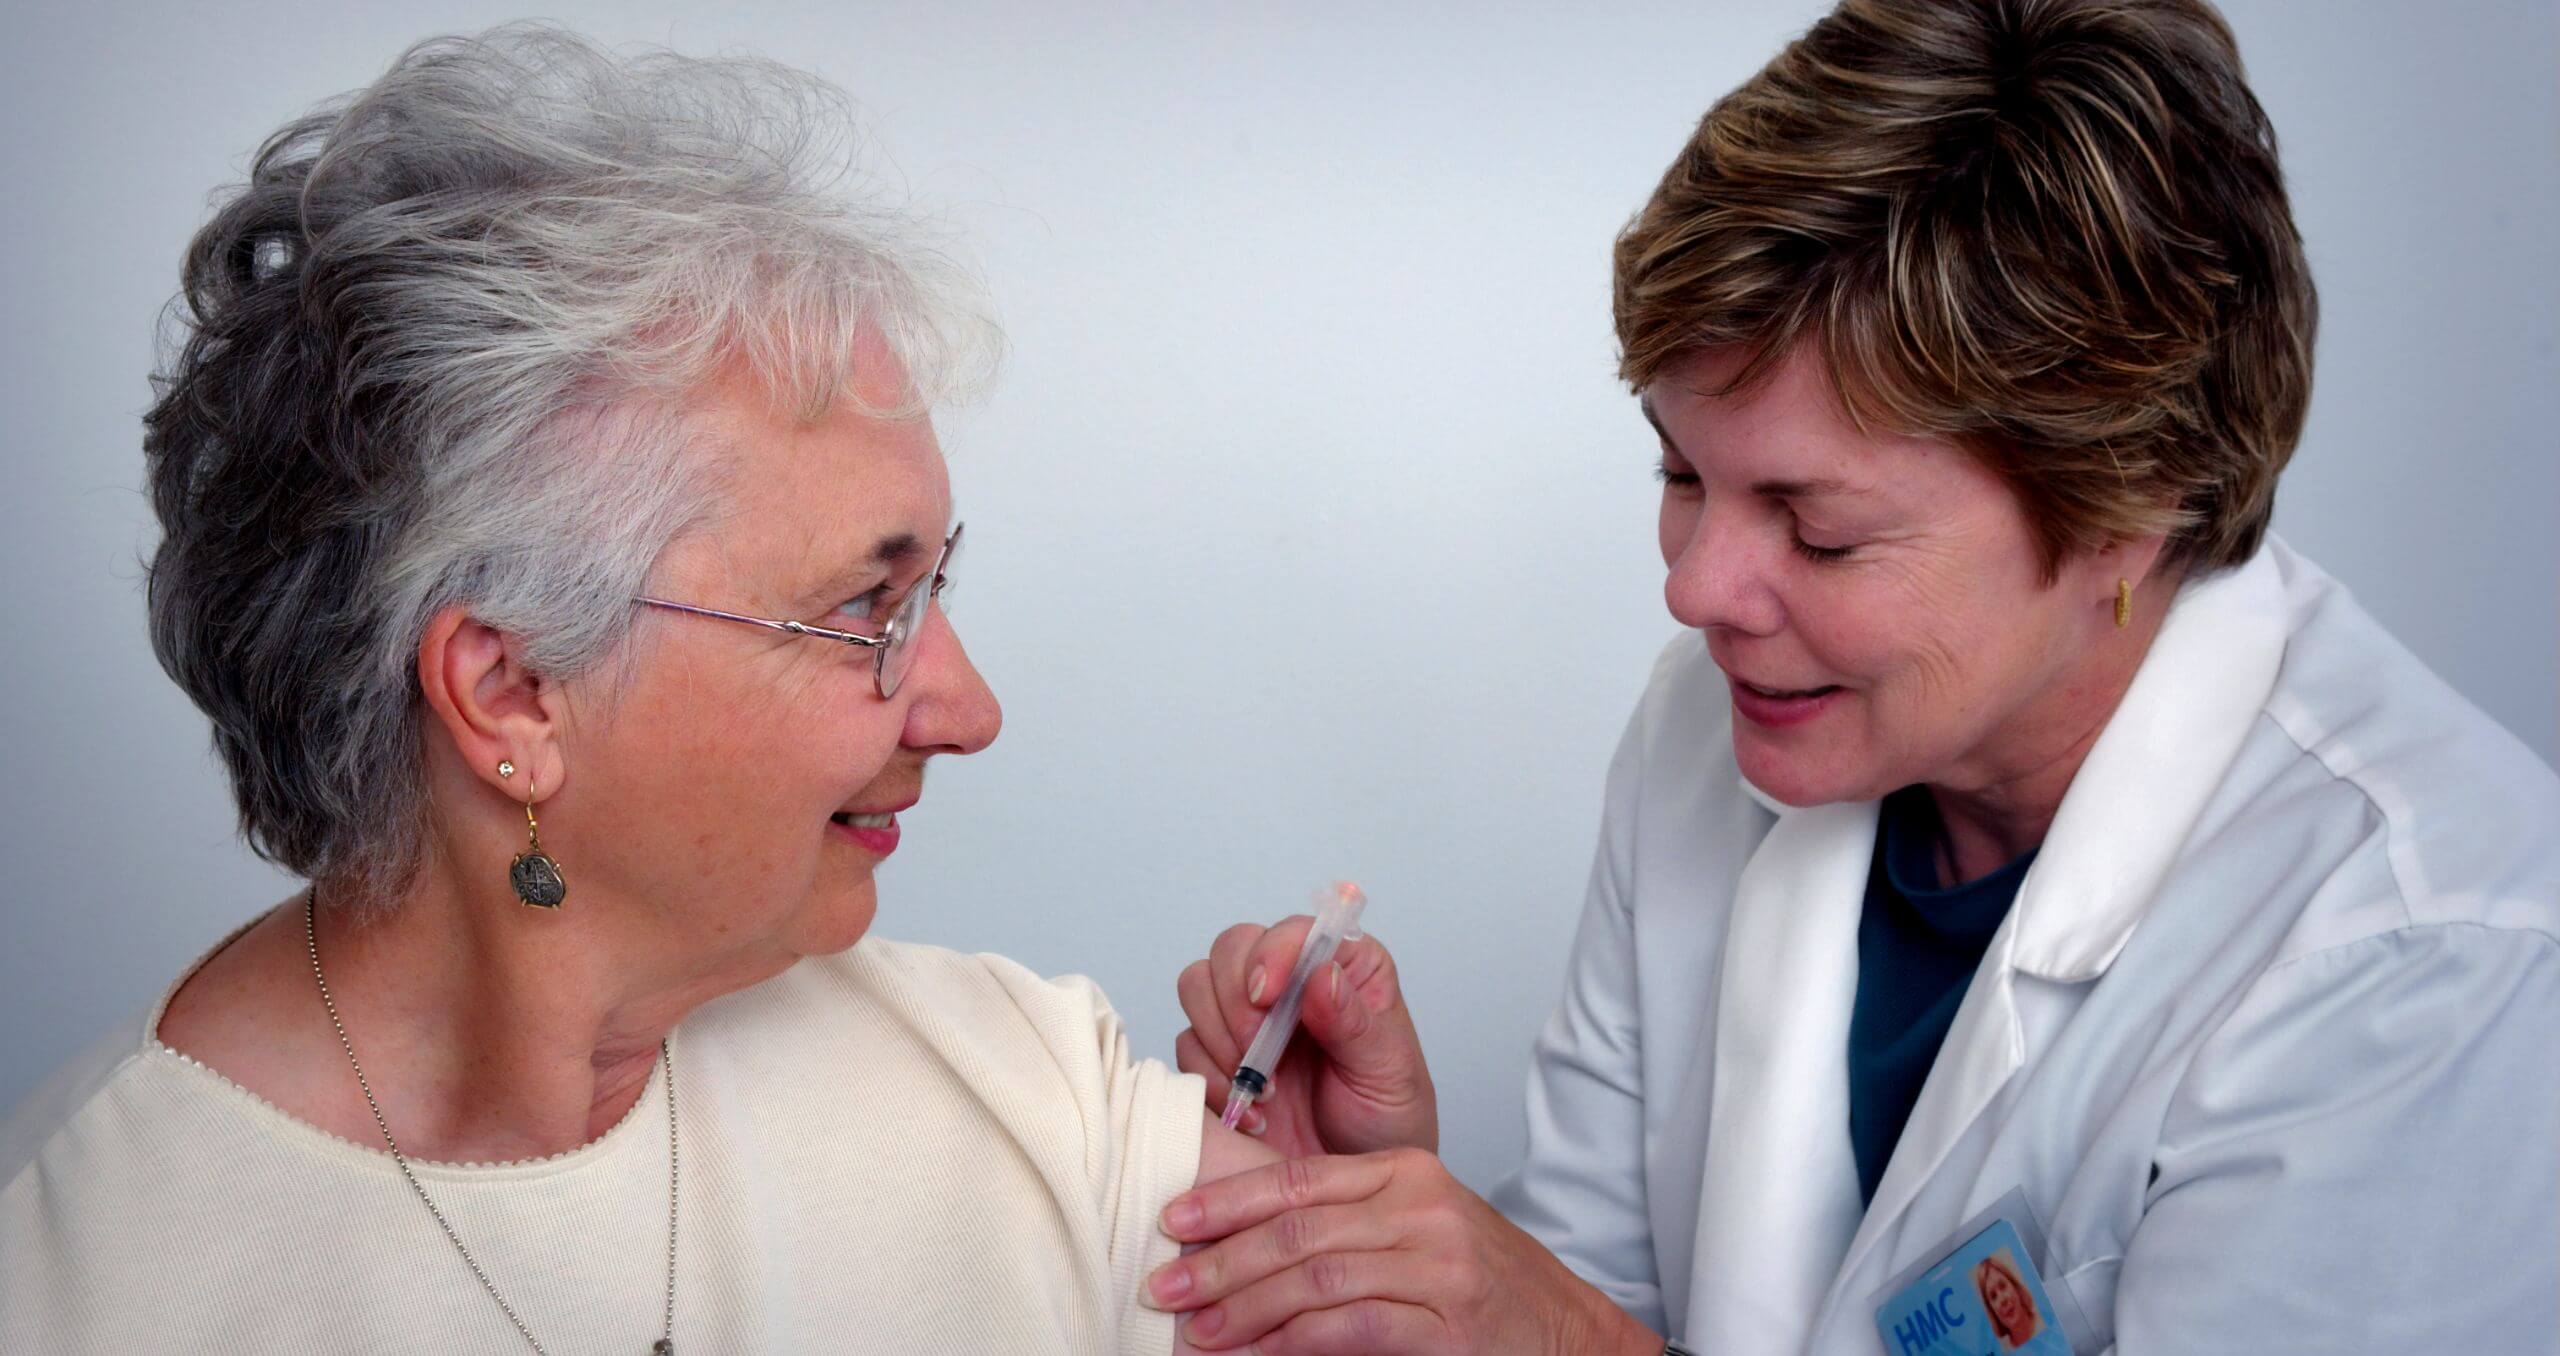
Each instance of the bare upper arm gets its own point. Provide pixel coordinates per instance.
(1223, 1153)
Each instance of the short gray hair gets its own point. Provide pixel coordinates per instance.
(434, 353)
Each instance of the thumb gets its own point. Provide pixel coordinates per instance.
(1360, 1029)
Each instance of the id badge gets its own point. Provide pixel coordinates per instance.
(1978, 1295)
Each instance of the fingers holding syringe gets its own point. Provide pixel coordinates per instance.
(1191, 1058)
(1211, 1032)
(1341, 1000)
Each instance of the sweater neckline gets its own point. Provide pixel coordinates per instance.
(284, 1124)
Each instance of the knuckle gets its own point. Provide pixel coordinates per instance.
(1235, 939)
(1448, 1276)
(1366, 1323)
(1297, 1182)
(1209, 1270)
(1329, 1276)
(1292, 1237)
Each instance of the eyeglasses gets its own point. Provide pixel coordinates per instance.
(893, 651)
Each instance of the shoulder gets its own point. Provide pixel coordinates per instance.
(123, 1053)
(2421, 1026)
(998, 1054)
(985, 1022)
(983, 994)
(2433, 814)
(55, 1111)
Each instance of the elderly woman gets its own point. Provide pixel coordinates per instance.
(2017, 836)
(553, 535)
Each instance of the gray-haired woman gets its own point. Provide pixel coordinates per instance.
(553, 534)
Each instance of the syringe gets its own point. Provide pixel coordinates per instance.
(1337, 921)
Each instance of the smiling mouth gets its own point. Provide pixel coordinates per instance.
(854, 821)
(1781, 694)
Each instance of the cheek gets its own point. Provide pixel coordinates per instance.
(733, 787)
(1863, 634)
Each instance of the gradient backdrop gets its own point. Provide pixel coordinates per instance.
(1310, 535)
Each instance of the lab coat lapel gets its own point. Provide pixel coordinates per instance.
(2130, 809)
(1778, 1202)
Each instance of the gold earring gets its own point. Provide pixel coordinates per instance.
(536, 878)
(2124, 603)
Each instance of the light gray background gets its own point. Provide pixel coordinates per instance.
(1310, 535)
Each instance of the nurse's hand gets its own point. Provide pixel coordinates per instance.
(1382, 1253)
(1351, 1081)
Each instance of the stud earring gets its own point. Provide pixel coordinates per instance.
(536, 878)
(2124, 603)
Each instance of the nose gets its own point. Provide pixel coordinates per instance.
(951, 709)
(1720, 576)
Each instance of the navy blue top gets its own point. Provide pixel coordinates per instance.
(1918, 946)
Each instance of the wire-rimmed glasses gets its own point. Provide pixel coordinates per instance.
(893, 651)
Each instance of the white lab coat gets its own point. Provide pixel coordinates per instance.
(2267, 1039)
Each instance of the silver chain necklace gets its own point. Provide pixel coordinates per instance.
(666, 1343)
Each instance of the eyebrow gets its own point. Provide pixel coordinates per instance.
(1772, 489)
(1803, 489)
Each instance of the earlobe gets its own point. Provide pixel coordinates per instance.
(484, 702)
(2126, 567)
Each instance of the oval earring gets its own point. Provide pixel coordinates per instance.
(535, 877)
(2124, 603)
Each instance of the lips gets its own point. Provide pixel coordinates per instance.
(1777, 707)
(1784, 693)
(875, 830)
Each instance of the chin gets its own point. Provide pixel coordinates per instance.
(836, 921)
(1792, 777)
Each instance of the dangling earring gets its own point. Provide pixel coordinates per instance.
(536, 878)
(2124, 602)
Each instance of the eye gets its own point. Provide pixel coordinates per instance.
(1824, 555)
(870, 605)
(1679, 479)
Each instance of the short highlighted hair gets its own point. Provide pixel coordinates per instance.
(2051, 231)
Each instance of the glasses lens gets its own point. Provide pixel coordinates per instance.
(908, 624)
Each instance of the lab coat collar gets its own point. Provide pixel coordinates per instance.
(1778, 1196)
(2145, 781)
(2130, 808)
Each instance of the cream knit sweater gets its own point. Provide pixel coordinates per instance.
(898, 1149)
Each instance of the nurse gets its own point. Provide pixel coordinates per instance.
(2016, 841)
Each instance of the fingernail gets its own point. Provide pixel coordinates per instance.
(1168, 1285)
(1253, 991)
(1205, 1324)
(1254, 1124)
(1334, 980)
(1182, 1217)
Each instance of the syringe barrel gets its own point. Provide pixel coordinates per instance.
(1337, 919)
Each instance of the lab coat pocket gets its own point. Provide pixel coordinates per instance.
(2090, 1289)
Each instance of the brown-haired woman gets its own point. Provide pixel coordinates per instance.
(2014, 822)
